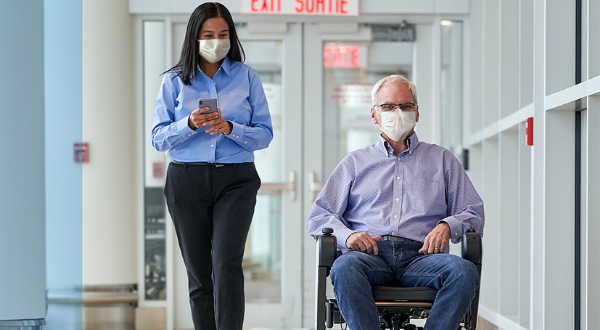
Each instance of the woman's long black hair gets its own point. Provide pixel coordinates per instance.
(190, 56)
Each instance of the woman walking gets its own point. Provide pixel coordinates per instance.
(211, 182)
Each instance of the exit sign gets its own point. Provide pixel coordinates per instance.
(301, 7)
(341, 56)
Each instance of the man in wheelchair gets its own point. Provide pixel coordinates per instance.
(393, 207)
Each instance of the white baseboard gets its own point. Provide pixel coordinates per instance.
(499, 320)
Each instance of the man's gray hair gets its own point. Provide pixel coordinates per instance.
(395, 77)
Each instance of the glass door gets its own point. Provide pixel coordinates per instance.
(273, 251)
(338, 92)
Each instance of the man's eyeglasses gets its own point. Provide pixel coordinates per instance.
(408, 106)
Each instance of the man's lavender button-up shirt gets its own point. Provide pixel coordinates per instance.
(372, 190)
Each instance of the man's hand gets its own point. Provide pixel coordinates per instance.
(363, 242)
(437, 239)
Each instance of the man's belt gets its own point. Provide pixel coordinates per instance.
(392, 238)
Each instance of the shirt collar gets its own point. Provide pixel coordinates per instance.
(225, 66)
(386, 148)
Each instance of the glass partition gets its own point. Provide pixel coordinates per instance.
(583, 230)
(451, 100)
(154, 230)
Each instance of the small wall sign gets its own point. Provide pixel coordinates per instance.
(81, 152)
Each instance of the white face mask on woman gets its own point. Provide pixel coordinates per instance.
(214, 50)
(397, 124)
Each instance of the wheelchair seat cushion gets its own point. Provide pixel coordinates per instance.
(394, 293)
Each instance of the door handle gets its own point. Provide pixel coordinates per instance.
(314, 186)
(277, 187)
(290, 186)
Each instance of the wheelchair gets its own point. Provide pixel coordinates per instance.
(396, 305)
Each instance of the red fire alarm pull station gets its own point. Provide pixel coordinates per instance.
(81, 152)
(529, 131)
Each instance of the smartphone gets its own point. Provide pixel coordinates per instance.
(211, 103)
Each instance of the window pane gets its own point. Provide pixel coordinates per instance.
(154, 168)
(451, 86)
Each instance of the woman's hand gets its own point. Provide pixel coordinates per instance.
(198, 119)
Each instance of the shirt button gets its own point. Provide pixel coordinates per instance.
(212, 145)
(246, 142)
(189, 134)
(397, 178)
(395, 216)
(397, 199)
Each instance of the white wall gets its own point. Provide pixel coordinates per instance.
(528, 267)
(109, 126)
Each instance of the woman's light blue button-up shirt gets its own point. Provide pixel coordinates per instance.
(242, 101)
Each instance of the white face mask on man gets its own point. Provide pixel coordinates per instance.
(214, 50)
(397, 124)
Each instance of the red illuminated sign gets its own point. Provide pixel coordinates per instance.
(301, 7)
(265, 6)
(330, 7)
(343, 57)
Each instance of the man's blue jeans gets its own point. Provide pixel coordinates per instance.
(400, 264)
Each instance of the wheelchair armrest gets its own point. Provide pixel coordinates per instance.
(472, 250)
(326, 248)
(472, 247)
(326, 254)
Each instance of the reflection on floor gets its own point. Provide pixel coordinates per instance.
(64, 317)
(483, 324)
(262, 291)
(72, 317)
